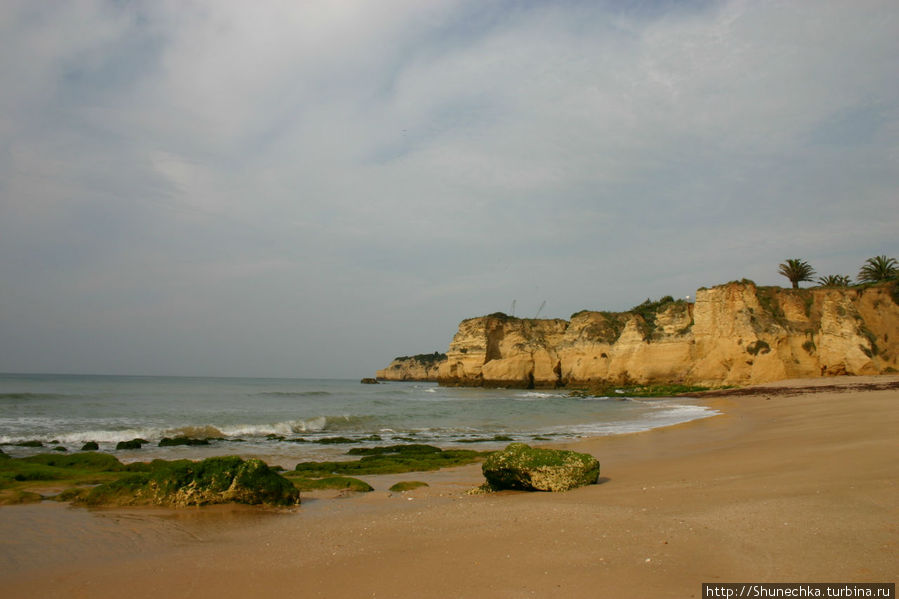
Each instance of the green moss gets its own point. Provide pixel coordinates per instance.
(90, 461)
(412, 449)
(18, 496)
(392, 460)
(809, 346)
(227, 479)
(65, 470)
(342, 483)
(407, 485)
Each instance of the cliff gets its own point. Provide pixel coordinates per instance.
(423, 367)
(733, 334)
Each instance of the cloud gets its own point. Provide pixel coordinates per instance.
(351, 179)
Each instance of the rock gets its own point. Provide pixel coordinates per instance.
(169, 442)
(184, 483)
(132, 444)
(421, 367)
(90, 446)
(30, 444)
(525, 468)
(407, 485)
(369, 381)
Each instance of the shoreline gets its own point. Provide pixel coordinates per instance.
(782, 485)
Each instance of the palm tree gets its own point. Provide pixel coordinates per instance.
(878, 268)
(835, 281)
(796, 270)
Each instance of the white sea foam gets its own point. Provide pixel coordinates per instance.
(666, 415)
(537, 395)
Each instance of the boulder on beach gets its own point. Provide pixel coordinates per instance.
(184, 483)
(525, 468)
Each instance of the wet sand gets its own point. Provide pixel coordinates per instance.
(785, 485)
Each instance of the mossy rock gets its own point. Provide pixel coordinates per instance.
(407, 485)
(34, 443)
(18, 497)
(394, 459)
(90, 446)
(340, 483)
(525, 468)
(184, 483)
(173, 442)
(132, 444)
(414, 449)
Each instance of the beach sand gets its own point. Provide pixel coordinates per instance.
(783, 486)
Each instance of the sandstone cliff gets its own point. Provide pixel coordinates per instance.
(423, 367)
(733, 334)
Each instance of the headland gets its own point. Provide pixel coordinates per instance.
(733, 334)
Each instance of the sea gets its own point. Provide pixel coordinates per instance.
(286, 421)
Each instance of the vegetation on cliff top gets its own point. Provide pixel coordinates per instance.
(426, 359)
(878, 268)
(874, 270)
(796, 271)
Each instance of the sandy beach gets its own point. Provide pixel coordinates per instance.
(788, 484)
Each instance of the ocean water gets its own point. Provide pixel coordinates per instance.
(290, 420)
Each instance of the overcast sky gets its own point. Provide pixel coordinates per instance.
(308, 189)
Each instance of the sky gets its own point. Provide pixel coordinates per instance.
(309, 189)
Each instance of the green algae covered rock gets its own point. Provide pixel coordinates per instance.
(184, 483)
(525, 468)
(407, 485)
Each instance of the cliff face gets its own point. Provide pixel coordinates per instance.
(734, 334)
(423, 367)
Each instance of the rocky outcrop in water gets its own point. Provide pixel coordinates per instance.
(734, 334)
(422, 367)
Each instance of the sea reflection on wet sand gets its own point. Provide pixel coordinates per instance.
(58, 534)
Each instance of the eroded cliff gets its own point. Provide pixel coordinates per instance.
(733, 334)
(422, 367)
